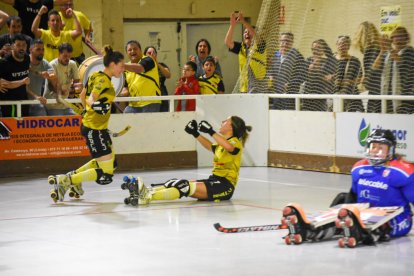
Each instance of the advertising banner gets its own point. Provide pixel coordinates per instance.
(352, 130)
(41, 137)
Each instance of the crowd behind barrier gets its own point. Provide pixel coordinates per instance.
(329, 75)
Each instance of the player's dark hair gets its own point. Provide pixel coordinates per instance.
(240, 130)
(210, 59)
(193, 65)
(149, 47)
(206, 41)
(65, 47)
(111, 56)
(13, 18)
(132, 42)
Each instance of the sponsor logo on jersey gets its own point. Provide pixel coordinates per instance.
(367, 195)
(374, 184)
(362, 171)
(386, 172)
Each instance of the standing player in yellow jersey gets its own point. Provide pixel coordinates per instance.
(227, 150)
(97, 98)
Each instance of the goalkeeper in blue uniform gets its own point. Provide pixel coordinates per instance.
(381, 179)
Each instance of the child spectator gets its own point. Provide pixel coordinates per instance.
(210, 82)
(187, 85)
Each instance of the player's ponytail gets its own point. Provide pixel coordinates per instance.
(111, 56)
(240, 130)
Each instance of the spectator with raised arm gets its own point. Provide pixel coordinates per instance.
(54, 36)
(27, 10)
(68, 20)
(164, 73)
(141, 79)
(251, 79)
(3, 19)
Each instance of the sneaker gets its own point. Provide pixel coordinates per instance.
(353, 232)
(144, 193)
(294, 219)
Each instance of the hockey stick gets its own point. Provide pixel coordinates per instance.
(157, 184)
(269, 227)
(79, 111)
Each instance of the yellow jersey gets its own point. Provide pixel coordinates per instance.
(143, 84)
(98, 83)
(70, 25)
(227, 164)
(211, 85)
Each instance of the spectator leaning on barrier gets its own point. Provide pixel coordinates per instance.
(67, 73)
(14, 69)
(141, 79)
(40, 70)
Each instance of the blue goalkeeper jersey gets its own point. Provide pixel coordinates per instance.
(388, 185)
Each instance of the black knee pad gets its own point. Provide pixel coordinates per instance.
(103, 178)
(182, 185)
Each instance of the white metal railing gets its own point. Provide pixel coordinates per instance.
(337, 99)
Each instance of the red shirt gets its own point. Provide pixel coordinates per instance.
(190, 87)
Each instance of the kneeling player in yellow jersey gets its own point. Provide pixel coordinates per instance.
(210, 82)
(97, 99)
(227, 150)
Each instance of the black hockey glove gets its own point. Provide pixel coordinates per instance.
(205, 127)
(191, 128)
(101, 107)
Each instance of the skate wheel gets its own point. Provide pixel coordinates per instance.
(341, 242)
(72, 194)
(287, 211)
(352, 242)
(293, 219)
(124, 186)
(288, 240)
(127, 200)
(342, 213)
(77, 196)
(297, 239)
(338, 223)
(349, 222)
(134, 202)
(51, 179)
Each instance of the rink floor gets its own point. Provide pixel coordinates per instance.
(100, 235)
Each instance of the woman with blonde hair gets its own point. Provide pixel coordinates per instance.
(367, 41)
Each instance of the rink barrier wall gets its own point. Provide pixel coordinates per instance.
(319, 141)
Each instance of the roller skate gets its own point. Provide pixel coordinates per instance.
(294, 218)
(128, 185)
(61, 184)
(145, 193)
(76, 190)
(349, 220)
